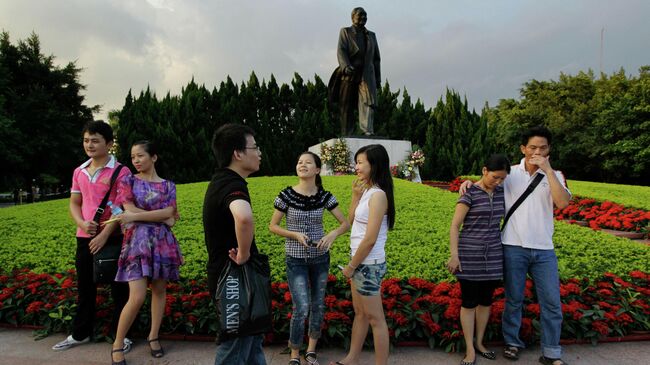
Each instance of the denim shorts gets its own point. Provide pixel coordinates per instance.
(367, 278)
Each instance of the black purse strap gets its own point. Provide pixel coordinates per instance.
(533, 184)
(102, 205)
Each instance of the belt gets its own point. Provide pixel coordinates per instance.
(373, 262)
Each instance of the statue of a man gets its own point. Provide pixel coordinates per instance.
(358, 74)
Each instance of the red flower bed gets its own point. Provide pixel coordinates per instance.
(605, 215)
(416, 309)
(452, 186)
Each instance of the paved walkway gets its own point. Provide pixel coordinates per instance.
(17, 347)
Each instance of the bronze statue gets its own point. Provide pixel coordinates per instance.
(354, 83)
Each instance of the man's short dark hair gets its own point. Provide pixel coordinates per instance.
(99, 127)
(358, 10)
(227, 139)
(538, 131)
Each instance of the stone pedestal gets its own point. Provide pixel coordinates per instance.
(397, 150)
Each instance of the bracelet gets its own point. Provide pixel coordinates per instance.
(353, 267)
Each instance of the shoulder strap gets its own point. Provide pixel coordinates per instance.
(533, 184)
(102, 205)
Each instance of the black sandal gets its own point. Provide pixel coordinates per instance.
(549, 361)
(511, 353)
(156, 353)
(311, 358)
(123, 362)
(294, 361)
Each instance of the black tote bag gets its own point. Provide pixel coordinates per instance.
(243, 299)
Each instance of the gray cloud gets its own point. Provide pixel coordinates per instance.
(485, 50)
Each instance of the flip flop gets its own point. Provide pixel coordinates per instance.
(490, 355)
(549, 361)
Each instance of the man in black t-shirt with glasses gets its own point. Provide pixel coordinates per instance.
(229, 226)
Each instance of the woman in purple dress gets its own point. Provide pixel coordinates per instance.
(150, 252)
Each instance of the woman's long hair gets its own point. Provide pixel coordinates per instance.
(380, 175)
(317, 161)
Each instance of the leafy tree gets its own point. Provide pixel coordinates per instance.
(42, 113)
(601, 126)
(457, 140)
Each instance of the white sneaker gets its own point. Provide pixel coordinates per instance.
(69, 342)
(127, 345)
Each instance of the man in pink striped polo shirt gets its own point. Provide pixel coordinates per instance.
(90, 182)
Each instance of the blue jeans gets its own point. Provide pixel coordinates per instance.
(542, 266)
(241, 351)
(307, 283)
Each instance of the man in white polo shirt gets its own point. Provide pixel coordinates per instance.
(528, 246)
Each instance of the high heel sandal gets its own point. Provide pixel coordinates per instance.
(123, 362)
(156, 353)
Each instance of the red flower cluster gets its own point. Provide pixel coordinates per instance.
(600, 327)
(337, 316)
(416, 309)
(421, 284)
(391, 287)
(533, 309)
(568, 289)
(574, 309)
(454, 185)
(605, 215)
(34, 307)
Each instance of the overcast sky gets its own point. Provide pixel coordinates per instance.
(483, 49)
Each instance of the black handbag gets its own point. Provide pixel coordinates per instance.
(243, 299)
(105, 261)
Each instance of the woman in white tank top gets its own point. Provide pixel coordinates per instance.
(372, 214)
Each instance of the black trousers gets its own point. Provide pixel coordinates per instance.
(87, 291)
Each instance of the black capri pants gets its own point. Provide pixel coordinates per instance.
(475, 292)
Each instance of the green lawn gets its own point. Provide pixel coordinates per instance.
(628, 195)
(41, 236)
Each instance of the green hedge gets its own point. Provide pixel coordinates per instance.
(41, 236)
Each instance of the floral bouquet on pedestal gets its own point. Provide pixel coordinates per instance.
(337, 157)
(416, 158)
(409, 168)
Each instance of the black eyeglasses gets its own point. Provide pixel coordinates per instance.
(253, 148)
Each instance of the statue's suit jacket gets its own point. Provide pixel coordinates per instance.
(348, 49)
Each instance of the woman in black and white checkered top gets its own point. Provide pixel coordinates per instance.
(307, 247)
